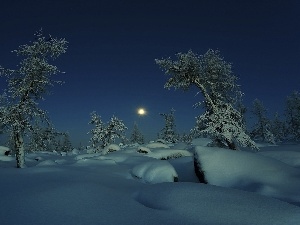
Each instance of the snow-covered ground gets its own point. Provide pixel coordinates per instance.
(133, 185)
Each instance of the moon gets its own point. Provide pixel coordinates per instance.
(141, 111)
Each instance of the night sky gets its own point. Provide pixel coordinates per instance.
(110, 64)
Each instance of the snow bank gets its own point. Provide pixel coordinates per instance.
(99, 189)
(291, 158)
(168, 154)
(155, 172)
(157, 145)
(47, 163)
(210, 205)
(249, 171)
(201, 141)
(5, 158)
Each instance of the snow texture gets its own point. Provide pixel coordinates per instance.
(155, 172)
(81, 188)
(251, 172)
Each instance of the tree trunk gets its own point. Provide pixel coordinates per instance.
(20, 153)
(231, 145)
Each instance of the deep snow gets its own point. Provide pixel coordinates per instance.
(127, 187)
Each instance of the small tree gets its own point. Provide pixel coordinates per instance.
(115, 130)
(136, 135)
(66, 143)
(293, 116)
(168, 133)
(215, 81)
(105, 134)
(278, 128)
(98, 132)
(28, 84)
(42, 138)
(262, 128)
(186, 138)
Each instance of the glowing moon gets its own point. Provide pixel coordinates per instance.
(141, 111)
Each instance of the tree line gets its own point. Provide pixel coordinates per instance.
(223, 120)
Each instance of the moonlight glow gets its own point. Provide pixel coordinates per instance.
(141, 111)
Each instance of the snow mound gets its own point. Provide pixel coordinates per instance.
(110, 148)
(5, 158)
(157, 145)
(181, 145)
(211, 205)
(113, 148)
(87, 156)
(144, 150)
(249, 171)
(201, 141)
(3, 150)
(289, 157)
(155, 172)
(166, 154)
(47, 163)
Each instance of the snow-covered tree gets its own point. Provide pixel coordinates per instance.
(186, 137)
(66, 143)
(42, 138)
(28, 84)
(105, 134)
(168, 133)
(136, 135)
(216, 82)
(97, 132)
(293, 115)
(262, 128)
(278, 128)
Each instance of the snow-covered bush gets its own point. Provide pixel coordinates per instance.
(113, 148)
(215, 81)
(143, 150)
(155, 172)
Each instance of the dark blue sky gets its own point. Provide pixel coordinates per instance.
(110, 65)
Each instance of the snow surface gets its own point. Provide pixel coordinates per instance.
(80, 188)
(251, 172)
(155, 172)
